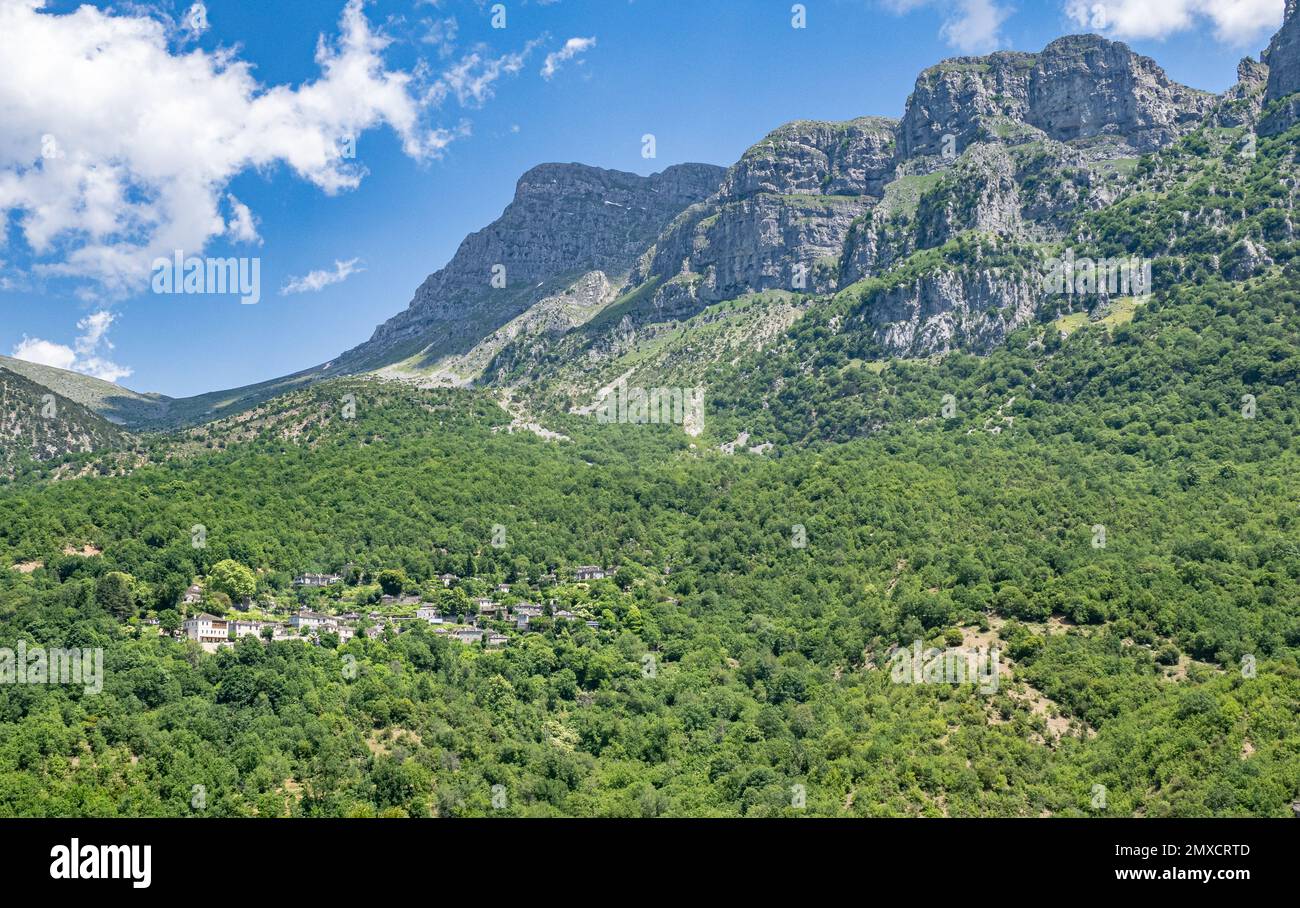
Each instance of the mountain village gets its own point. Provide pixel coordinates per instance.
(486, 620)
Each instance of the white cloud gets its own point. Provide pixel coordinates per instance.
(242, 226)
(315, 281)
(83, 356)
(971, 26)
(471, 79)
(441, 33)
(975, 26)
(103, 369)
(143, 141)
(94, 327)
(1236, 22)
(571, 49)
(46, 353)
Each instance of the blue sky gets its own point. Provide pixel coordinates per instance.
(103, 165)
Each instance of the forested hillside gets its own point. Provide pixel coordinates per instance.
(44, 433)
(769, 659)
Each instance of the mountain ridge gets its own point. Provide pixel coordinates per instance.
(983, 144)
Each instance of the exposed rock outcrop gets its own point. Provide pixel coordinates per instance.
(780, 218)
(817, 158)
(1282, 97)
(1284, 56)
(565, 220)
(1241, 104)
(1079, 87)
(981, 192)
(973, 309)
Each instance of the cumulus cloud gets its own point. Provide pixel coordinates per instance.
(315, 281)
(1237, 22)
(116, 150)
(46, 353)
(971, 26)
(572, 48)
(83, 356)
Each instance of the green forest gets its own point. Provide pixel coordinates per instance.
(1117, 511)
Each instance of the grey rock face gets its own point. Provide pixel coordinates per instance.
(764, 242)
(817, 158)
(565, 219)
(1079, 87)
(780, 218)
(801, 210)
(1246, 260)
(569, 216)
(1284, 56)
(1283, 59)
(1241, 104)
(971, 309)
(873, 244)
(1016, 137)
(1085, 86)
(1023, 192)
(1008, 145)
(958, 102)
(980, 193)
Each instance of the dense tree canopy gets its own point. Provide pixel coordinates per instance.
(1103, 508)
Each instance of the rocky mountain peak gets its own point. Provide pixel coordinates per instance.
(1252, 72)
(564, 219)
(1079, 87)
(1240, 105)
(814, 157)
(780, 217)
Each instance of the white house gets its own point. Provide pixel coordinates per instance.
(316, 579)
(589, 572)
(247, 628)
(207, 628)
(310, 620)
